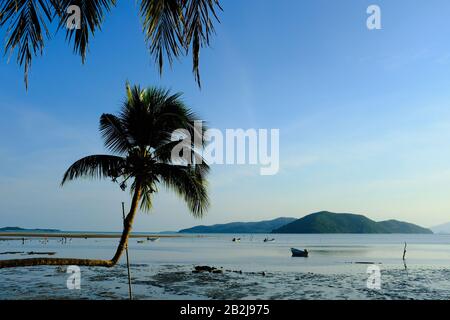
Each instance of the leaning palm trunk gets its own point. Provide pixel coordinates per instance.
(128, 223)
(54, 262)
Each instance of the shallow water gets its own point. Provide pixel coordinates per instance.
(163, 269)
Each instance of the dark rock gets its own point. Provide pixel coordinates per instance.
(207, 269)
(11, 252)
(43, 253)
(204, 268)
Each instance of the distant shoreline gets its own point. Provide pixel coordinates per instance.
(15, 235)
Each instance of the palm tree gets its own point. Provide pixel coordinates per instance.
(172, 28)
(140, 137)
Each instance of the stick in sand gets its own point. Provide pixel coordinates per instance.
(404, 252)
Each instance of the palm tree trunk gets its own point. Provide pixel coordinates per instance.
(54, 262)
(128, 224)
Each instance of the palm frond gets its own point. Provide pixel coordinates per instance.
(150, 116)
(163, 153)
(95, 167)
(114, 134)
(146, 201)
(198, 28)
(92, 16)
(172, 28)
(26, 22)
(172, 25)
(161, 21)
(140, 115)
(189, 182)
(147, 193)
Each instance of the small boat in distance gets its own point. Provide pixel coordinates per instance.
(269, 240)
(152, 239)
(236, 240)
(299, 253)
(141, 241)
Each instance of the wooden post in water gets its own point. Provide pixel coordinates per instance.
(128, 260)
(404, 252)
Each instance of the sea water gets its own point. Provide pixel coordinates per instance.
(337, 268)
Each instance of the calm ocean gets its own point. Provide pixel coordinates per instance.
(336, 268)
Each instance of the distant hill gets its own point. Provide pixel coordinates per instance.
(394, 226)
(241, 227)
(329, 222)
(443, 228)
(17, 229)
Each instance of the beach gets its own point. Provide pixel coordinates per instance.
(336, 268)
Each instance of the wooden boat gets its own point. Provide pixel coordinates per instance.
(152, 239)
(269, 240)
(299, 253)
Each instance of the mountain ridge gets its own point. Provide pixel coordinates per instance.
(319, 222)
(330, 222)
(265, 226)
(442, 228)
(19, 229)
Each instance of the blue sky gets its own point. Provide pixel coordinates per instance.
(364, 116)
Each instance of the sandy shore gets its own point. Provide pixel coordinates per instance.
(91, 235)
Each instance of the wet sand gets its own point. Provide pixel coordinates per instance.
(252, 269)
